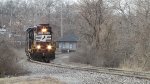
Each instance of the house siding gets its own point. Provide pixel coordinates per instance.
(68, 42)
(68, 45)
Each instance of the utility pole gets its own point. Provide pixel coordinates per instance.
(61, 20)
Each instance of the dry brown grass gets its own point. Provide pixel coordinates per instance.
(30, 80)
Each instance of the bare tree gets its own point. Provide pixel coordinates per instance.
(96, 24)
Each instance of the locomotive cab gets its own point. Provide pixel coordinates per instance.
(39, 43)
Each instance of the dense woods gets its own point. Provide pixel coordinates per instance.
(113, 33)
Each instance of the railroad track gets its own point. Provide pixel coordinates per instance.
(112, 71)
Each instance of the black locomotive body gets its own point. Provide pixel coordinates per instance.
(39, 43)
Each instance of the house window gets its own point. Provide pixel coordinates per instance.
(63, 44)
(60, 45)
(71, 46)
(67, 45)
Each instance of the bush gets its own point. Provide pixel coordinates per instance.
(101, 57)
(8, 61)
(87, 55)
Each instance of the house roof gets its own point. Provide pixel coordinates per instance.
(69, 37)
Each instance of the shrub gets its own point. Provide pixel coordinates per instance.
(8, 61)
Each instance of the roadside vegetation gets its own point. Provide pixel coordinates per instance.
(114, 33)
(9, 61)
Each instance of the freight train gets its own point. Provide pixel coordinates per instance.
(39, 43)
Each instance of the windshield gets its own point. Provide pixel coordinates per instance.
(44, 30)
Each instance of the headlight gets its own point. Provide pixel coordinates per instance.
(49, 47)
(38, 47)
(44, 30)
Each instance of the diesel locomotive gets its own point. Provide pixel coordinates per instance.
(39, 43)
